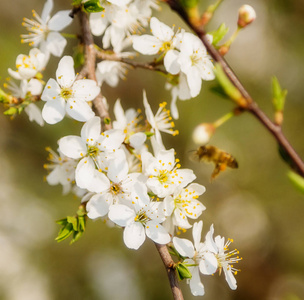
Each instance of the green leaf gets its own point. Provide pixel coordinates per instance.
(81, 223)
(149, 133)
(182, 271)
(78, 56)
(107, 121)
(278, 95)
(76, 2)
(76, 236)
(92, 6)
(73, 221)
(297, 180)
(230, 90)
(62, 222)
(219, 34)
(65, 232)
(217, 89)
(11, 111)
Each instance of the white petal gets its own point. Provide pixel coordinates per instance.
(90, 131)
(72, 146)
(98, 206)
(168, 205)
(209, 241)
(79, 110)
(118, 167)
(194, 82)
(34, 114)
(98, 23)
(230, 278)
(157, 233)
(161, 30)
(122, 215)
(35, 86)
(184, 247)
(51, 91)
(180, 219)
(197, 233)
(171, 62)
(208, 265)
(146, 44)
(87, 177)
(60, 20)
(55, 43)
(47, 8)
(65, 73)
(53, 111)
(134, 235)
(85, 89)
(196, 286)
(111, 139)
(137, 139)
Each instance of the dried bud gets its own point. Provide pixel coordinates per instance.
(202, 133)
(246, 15)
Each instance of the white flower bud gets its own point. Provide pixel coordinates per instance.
(202, 133)
(246, 15)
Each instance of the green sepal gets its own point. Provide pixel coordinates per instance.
(182, 271)
(92, 6)
(4, 96)
(218, 90)
(278, 95)
(11, 111)
(73, 221)
(230, 90)
(76, 236)
(62, 222)
(107, 121)
(189, 3)
(297, 180)
(219, 34)
(149, 133)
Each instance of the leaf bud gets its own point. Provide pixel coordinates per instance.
(246, 15)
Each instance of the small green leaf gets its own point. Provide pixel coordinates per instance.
(189, 3)
(65, 232)
(76, 2)
(73, 221)
(217, 89)
(62, 222)
(230, 90)
(297, 180)
(11, 111)
(182, 271)
(219, 34)
(81, 223)
(149, 133)
(92, 6)
(78, 56)
(76, 236)
(278, 95)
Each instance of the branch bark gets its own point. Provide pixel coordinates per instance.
(295, 162)
(169, 265)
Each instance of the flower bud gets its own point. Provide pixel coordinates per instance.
(246, 15)
(202, 133)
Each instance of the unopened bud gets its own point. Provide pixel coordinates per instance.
(246, 15)
(202, 133)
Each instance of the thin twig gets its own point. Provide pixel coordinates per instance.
(90, 61)
(169, 265)
(114, 57)
(296, 163)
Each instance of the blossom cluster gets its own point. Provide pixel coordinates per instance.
(124, 175)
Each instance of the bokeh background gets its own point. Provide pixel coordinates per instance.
(255, 205)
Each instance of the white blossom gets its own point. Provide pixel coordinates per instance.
(68, 95)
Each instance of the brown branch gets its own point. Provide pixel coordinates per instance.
(105, 55)
(169, 265)
(90, 61)
(294, 159)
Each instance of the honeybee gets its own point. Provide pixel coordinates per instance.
(220, 158)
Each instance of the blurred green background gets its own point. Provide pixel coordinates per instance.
(255, 205)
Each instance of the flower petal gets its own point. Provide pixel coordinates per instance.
(157, 233)
(90, 131)
(79, 110)
(98, 206)
(55, 43)
(196, 286)
(122, 215)
(85, 89)
(72, 146)
(53, 111)
(134, 235)
(60, 20)
(184, 247)
(208, 265)
(65, 73)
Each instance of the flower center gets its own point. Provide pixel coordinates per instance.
(66, 93)
(115, 188)
(141, 217)
(93, 150)
(163, 176)
(166, 46)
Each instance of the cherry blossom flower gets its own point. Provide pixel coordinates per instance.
(198, 258)
(195, 62)
(142, 219)
(28, 66)
(164, 175)
(68, 95)
(183, 204)
(44, 30)
(92, 150)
